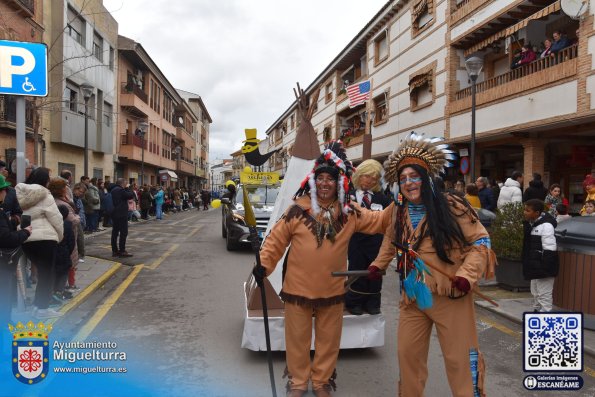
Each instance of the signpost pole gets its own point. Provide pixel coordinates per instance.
(20, 121)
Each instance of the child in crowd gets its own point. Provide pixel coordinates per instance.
(63, 259)
(589, 208)
(540, 256)
(562, 211)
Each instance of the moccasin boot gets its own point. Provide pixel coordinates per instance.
(296, 393)
(324, 392)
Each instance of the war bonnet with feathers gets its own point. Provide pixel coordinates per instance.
(333, 161)
(428, 153)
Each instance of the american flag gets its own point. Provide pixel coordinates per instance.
(358, 93)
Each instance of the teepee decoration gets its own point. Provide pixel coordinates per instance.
(306, 142)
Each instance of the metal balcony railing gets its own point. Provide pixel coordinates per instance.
(526, 70)
(8, 110)
(131, 88)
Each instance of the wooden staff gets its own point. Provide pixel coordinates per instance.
(451, 278)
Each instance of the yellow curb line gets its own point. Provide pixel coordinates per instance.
(105, 307)
(167, 253)
(500, 327)
(94, 286)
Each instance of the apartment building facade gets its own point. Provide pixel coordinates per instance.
(407, 72)
(21, 21)
(82, 37)
(536, 118)
(165, 153)
(201, 134)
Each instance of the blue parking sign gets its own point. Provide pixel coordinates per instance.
(23, 68)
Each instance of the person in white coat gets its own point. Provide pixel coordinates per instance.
(47, 230)
(511, 191)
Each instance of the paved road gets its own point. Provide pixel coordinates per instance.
(180, 318)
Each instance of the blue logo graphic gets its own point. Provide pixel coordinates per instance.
(23, 68)
(30, 351)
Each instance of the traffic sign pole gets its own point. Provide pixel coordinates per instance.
(20, 121)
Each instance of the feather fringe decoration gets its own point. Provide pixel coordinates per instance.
(415, 149)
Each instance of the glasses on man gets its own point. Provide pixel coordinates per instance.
(330, 181)
(415, 179)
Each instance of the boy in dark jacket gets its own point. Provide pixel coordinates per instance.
(63, 260)
(540, 256)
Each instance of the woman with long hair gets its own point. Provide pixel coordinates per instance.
(47, 230)
(58, 189)
(442, 250)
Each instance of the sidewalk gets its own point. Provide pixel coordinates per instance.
(514, 304)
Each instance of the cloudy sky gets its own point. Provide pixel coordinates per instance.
(243, 57)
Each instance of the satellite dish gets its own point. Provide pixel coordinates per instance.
(574, 8)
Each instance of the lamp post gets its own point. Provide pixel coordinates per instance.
(178, 150)
(87, 93)
(140, 131)
(473, 66)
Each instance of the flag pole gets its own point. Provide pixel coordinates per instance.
(367, 146)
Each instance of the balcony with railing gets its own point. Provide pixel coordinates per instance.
(130, 93)
(523, 79)
(8, 112)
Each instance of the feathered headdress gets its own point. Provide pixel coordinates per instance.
(428, 153)
(333, 160)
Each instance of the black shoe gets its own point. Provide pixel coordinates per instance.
(373, 310)
(125, 254)
(356, 310)
(115, 254)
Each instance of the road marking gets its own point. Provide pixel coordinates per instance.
(105, 307)
(167, 253)
(193, 232)
(94, 286)
(500, 327)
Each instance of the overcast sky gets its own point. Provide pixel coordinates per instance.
(243, 57)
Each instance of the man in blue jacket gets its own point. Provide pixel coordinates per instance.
(120, 196)
(486, 196)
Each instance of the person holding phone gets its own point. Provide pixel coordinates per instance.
(10, 238)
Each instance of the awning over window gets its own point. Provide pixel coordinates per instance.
(514, 28)
(167, 173)
(419, 81)
(419, 8)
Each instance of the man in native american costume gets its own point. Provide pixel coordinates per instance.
(442, 251)
(317, 227)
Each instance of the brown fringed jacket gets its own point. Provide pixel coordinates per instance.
(308, 279)
(470, 261)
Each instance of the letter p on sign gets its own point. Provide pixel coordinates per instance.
(23, 68)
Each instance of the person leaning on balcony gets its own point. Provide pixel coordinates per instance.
(527, 55)
(560, 42)
(547, 49)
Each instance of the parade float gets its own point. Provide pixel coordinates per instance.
(358, 331)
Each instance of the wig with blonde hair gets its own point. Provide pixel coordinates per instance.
(57, 187)
(371, 168)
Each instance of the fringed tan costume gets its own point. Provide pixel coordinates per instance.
(318, 234)
(451, 310)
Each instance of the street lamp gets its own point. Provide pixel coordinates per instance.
(473, 66)
(140, 131)
(87, 93)
(178, 150)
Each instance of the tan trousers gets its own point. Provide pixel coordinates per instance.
(455, 325)
(328, 324)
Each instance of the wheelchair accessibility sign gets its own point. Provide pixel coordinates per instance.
(23, 68)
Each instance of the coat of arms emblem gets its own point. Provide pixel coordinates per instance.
(30, 351)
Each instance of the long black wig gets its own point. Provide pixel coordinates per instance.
(441, 225)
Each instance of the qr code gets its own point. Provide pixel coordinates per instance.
(553, 341)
